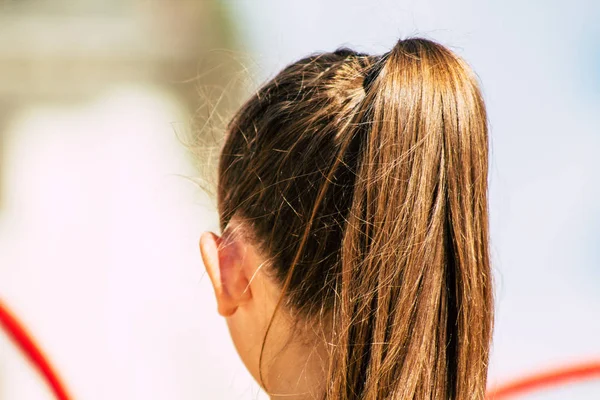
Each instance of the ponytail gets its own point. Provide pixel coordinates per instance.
(365, 178)
(416, 300)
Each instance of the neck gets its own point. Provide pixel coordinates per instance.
(298, 370)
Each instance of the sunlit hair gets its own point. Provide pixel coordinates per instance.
(364, 180)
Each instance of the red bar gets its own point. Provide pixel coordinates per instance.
(24, 341)
(543, 380)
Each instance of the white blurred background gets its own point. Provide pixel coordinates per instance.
(99, 222)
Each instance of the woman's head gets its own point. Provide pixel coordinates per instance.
(352, 196)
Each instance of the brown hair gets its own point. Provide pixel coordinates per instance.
(364, 179)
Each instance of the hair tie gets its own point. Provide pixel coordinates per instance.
(374, 71)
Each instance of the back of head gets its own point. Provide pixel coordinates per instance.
(364, 180)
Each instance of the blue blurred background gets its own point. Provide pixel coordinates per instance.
(99, 223)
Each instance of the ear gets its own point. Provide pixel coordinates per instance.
(224, 263)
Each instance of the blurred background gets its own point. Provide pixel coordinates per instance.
(100, 214)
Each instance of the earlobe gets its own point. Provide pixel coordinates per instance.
(223, 264)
